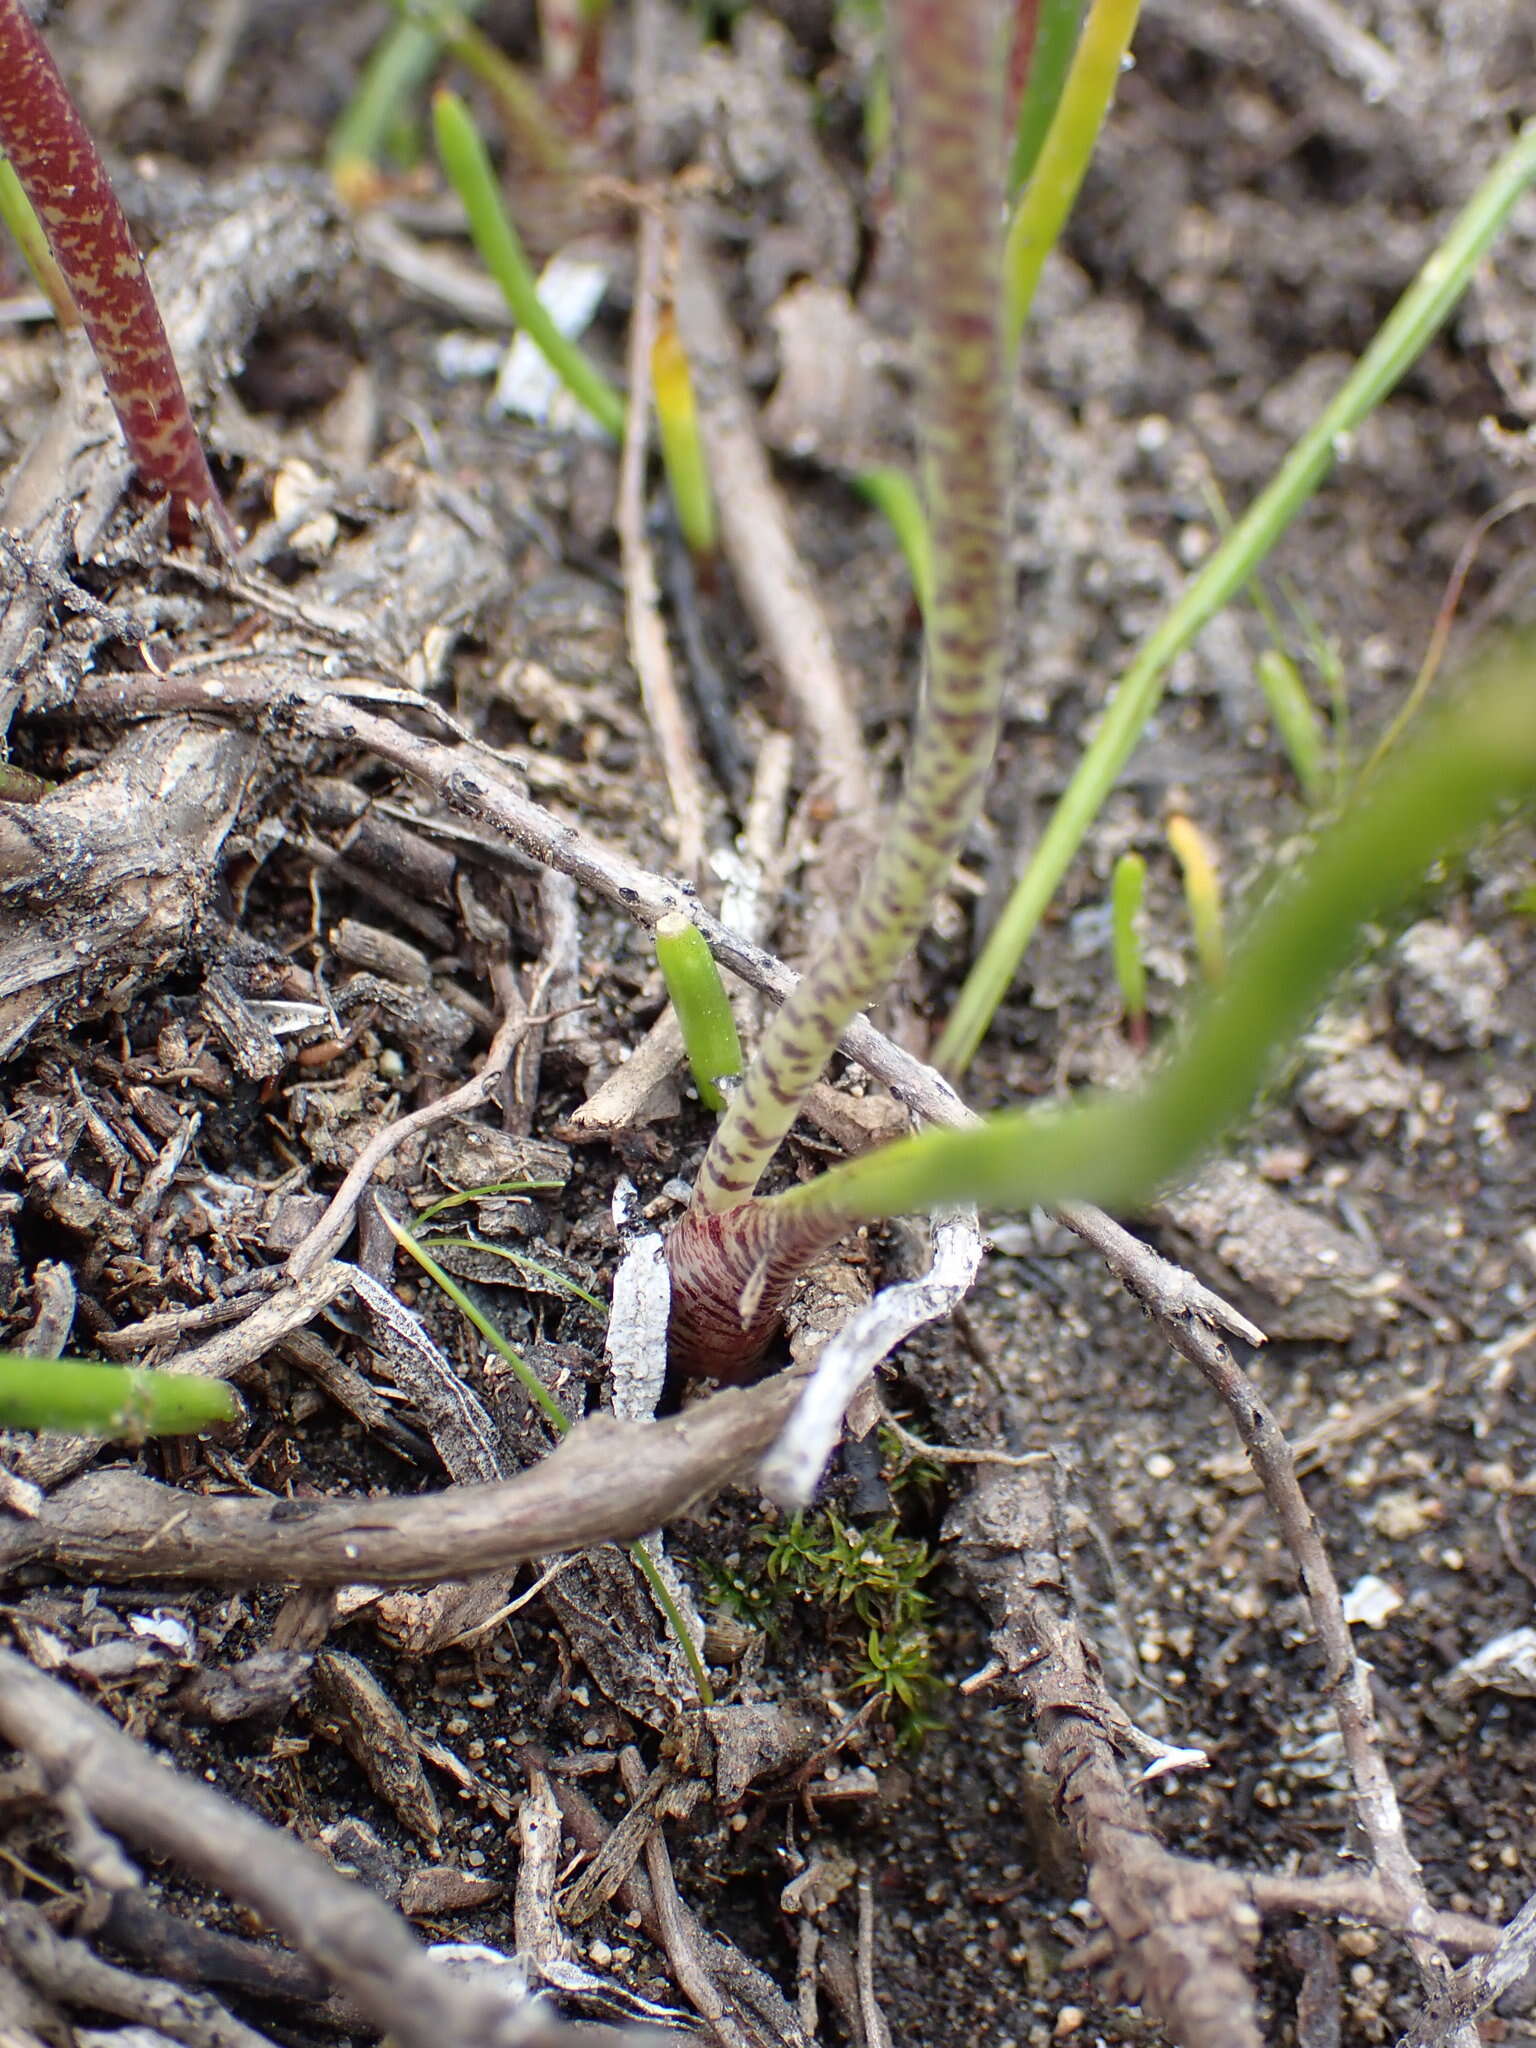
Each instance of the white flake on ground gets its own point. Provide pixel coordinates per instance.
(793, 1467)
(1370, 1602)
(571, 289)
(637, 1327)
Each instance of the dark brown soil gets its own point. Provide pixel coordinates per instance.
(1267, 187)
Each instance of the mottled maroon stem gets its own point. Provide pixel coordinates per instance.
(1026, 23)
(947, 85)
(731, 1276)
(62, 174)
(946, 73)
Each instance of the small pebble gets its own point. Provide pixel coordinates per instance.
(1448, 986)
(1401, 1516)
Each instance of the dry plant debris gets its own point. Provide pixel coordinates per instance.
(341, 899)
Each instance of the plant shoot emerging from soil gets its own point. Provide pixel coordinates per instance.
(949, 98)
(1296, 720)
(468, 165)
(87, 1399)
(734, 1256)
(60, 170)
(399, 67)
(682, 451)
(702, 1005)
(1202, 893)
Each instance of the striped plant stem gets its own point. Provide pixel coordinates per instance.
(61, 172)
(949, 98)
(731, 1277)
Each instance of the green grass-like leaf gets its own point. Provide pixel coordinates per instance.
(682, 446)
(521, 1260)
(703, 1008)
(1056, 27)
(1296, 719)
(26, 232)
(108, 1400)
(561, 1423)
(495, 1187)
(1423, 308)
(893, 492)
(529, 1380)
(1080, 111)
(385, 98)
(468, 166)
(1126, 890)
(1444, 784)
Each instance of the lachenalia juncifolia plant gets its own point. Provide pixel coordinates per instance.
(982, 210)
(735, 1255)
(59, 169)
(732, 1256)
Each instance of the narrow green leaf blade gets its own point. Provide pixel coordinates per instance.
(87, 1399)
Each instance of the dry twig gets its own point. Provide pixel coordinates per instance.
(1357, 1895)
(756, 2002)
(360, 1941)
(1477, 1987)
(648, 648)
(1179, 1924)
(331, 1232)
(608, 1481)
(74, 1974)
(754, 533)
(1347, 1676)
(679, 1931)
(876, 2033)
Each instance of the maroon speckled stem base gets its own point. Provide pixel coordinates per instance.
(731, 1276)
(62, 174)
